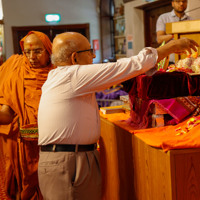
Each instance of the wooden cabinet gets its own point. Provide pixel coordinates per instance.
(189, 29)
(119, 37)
(133, 170)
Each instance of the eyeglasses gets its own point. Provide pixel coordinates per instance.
(90, 50)
(180, 1)
(37, 52)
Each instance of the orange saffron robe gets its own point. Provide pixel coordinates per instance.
(20, 88)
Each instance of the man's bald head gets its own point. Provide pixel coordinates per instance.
(65, 44)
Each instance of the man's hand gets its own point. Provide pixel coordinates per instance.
(184, 45)
(6, 115)
(180, 46)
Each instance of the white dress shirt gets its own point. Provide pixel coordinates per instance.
(68, 111)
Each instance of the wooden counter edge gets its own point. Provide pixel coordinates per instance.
(190, 26)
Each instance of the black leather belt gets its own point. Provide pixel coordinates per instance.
(68, 147)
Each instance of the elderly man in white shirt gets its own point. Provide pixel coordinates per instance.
(68, 116)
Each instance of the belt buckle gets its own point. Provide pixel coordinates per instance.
(76, 148)
(54, 147)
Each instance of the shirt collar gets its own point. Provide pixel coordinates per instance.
(174, 15)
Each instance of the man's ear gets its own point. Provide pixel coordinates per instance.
(73, 57)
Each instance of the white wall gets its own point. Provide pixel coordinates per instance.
(134, 19)
(1, 11)
(32, 12)
(194, 9)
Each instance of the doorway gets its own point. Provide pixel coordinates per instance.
(51, 31)
(151, 14)
(107, 30)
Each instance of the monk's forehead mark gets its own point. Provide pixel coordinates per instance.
(29, 45)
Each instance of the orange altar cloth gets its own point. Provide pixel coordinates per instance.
(167, 137)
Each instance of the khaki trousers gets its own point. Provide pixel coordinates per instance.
(70, 175)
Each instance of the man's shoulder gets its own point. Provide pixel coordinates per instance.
(166, 18)
(167, 14)
(187, 17)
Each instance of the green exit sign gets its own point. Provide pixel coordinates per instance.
(52, 18)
